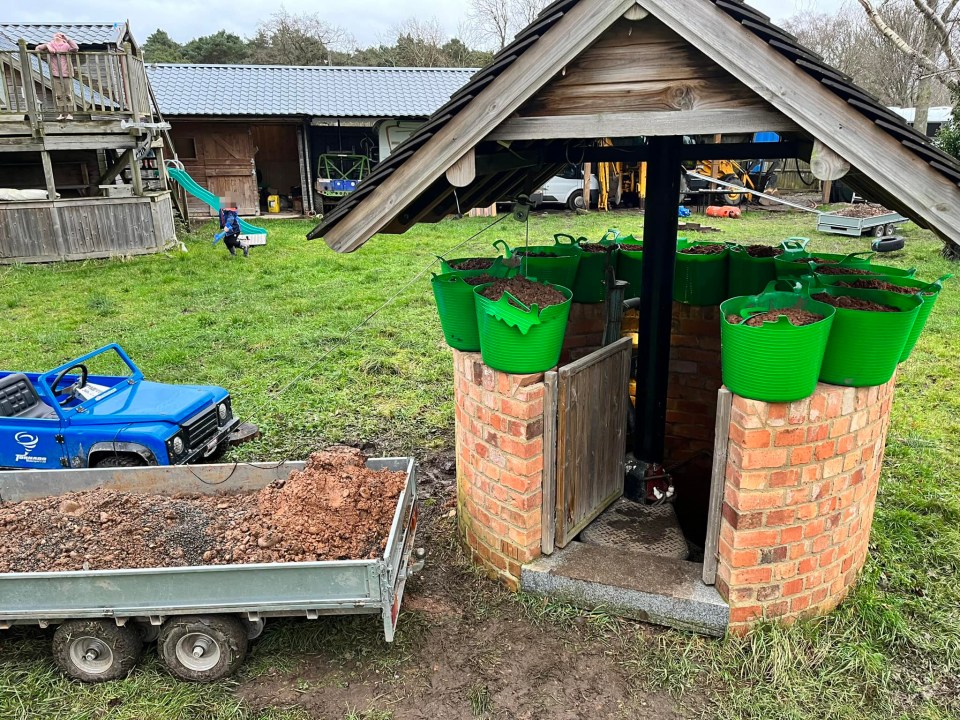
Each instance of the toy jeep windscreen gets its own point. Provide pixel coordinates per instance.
(99, 411)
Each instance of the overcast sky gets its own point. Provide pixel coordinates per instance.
(367, 20)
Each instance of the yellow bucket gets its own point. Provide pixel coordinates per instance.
(273, 203)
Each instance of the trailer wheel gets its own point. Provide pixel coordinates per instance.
(96, 650)
(202, 648)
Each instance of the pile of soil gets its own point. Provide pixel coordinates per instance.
(526, 291)
(703, 250)
(335, 509)
(480, 280)
(763, 251)
(851, 303)
(878, 285)
(866, 210)
(632, 247)
(596, 248)
(818, 260)
(797, 316)
(473, 264)
(842, 270)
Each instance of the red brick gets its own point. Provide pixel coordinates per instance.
(756, 439)
(845, 444)
(785, 478)
(757, 539)
(746, 614)
(826, 450)
(751, 576)
(791, 534)
(760, 500)
(758, 480)
(791, 437)
(780, 517)
(808, 564)
(742, 558)
(799, 603)
(757, 459)
(801, 455)
(818, 433)
(777, 414)
(839, 427)
(526, 468)
(793, 587)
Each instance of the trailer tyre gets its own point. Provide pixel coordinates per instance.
(202, 648)
(96, 650)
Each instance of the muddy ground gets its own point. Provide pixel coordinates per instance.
(466, 649)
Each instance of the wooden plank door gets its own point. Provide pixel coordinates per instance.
(228, 157)
(592, 397)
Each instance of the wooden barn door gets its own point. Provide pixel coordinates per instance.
(591, 430)
(228, 159)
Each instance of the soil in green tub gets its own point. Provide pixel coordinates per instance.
(526, 291)
(851, 303)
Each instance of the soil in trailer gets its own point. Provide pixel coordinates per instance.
(334, 509)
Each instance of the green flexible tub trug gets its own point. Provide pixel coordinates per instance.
(700, 279)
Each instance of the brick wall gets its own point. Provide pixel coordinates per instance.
(695, 378)
(499, 437)
(801, 483)
(585, 330)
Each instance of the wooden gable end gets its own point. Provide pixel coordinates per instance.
(641, 67)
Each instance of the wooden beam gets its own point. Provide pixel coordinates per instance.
(48, 175)
(587, 182)
(135, 176)
(718, 482)
(929, 195)
(89, 142)
(576, 30)
(463, 171)
(649, 124)
(115, 169)
(825, 164)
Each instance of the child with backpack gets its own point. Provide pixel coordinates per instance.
(230, 228)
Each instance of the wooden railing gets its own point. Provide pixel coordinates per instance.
(42, 85)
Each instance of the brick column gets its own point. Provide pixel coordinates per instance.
(801, 485)
(499, 439)
(695, 378)
(585, 329)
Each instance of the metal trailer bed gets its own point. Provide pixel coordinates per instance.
(149, 599)
(879, 226)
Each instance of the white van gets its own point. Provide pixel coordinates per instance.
(567, 189)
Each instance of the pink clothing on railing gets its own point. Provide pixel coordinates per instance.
(60, 48)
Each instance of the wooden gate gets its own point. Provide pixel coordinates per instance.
(589, 400)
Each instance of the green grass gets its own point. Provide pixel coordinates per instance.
(278, 331)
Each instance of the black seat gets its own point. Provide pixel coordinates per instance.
(18, 398)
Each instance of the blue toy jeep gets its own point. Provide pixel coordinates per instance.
(70, 418)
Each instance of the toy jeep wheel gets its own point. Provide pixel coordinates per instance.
(202, 648)
(96, 650)
(120, 460)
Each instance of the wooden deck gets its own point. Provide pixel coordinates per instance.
(85, 228)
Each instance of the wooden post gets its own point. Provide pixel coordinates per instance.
(717, 486)
(48, 175)
(131, 95)
(162, 169)
(827, 190)
(715, 165)
(29, 90)
(587, 182)
(656, 296)
(134, 165)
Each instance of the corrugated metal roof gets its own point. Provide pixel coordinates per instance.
(307, 91)
(751, 19)
(81, 33)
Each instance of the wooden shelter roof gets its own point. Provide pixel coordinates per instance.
(713, 66)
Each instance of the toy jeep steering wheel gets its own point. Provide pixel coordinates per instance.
(70, 391)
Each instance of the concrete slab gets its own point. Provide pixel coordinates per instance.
(635, 585)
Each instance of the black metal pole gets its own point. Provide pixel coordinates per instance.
(656, 296)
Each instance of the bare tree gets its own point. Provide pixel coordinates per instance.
(287, 39)
(496, 21)
(420, 43)
(935, 52)
(492, 21)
